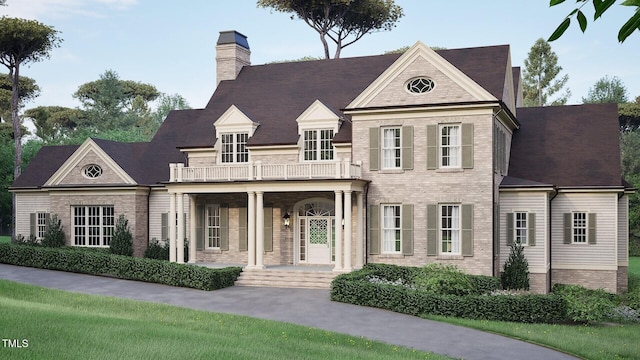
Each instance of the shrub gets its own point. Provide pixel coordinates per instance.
(354, 288)
(157, 250)
(443, 279)
(30, 241)
(123, 267)
(585, 305)
(54, 236)
(122, 241)
(515, 275)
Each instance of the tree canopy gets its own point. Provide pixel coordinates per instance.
(599, 7)
(342, 21)
(27, 88)
(21, 42)
(113, 103)
(607, 90)
(540, 78)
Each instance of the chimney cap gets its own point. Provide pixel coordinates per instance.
(233, 37)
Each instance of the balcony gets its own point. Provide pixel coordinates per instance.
(256, 171)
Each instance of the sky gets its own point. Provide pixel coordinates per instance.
(171, 44)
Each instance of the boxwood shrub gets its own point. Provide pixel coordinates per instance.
(355, 288)
(122, 267)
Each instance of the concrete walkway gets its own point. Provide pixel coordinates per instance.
(300, 306)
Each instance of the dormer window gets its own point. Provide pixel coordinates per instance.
(234, 147)
(318, 145)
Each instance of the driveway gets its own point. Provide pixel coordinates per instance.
(300, 306)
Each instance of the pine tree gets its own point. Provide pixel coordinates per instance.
(540, 77)
(515, 275)
(54, 235)
(122, 241)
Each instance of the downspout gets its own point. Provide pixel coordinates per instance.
(549, 245)
(494, 201)
(148, 215)
(366, 216)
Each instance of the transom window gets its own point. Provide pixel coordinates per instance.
(450, 145)
(93, 225)
(213, 227)
(420, 85)
(450, 229)
(234, 148)
(579, 227)
(391, 148)
(520, 227)
(92, 171)
(391, 229)
(318, 145)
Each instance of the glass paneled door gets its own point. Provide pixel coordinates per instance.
(316, 229)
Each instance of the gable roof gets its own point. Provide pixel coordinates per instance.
(43, 165)
(567, 146)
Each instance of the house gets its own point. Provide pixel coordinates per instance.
(407, 159)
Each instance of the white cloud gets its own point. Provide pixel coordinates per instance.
(37, 9)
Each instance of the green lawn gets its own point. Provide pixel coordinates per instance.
(5, 239)
(634, 266)
(63, 325)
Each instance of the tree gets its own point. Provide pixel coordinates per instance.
(113, 103)
(165, 104)
(21, 42)
(629, 115)
(540, 76)
(515, 275)
(607, 90)
(28, 90)
(52, 122)
(54, 235)
(342, 21)
(630, 161)
(122, 241)
(599, 7)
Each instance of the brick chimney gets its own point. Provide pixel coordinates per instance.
(232, 53)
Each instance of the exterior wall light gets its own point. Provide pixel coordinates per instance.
(286, 218)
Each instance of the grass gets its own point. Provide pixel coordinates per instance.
(5, 239)
(66, 325)
(602, 341)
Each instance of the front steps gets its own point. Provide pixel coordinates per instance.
(305, 279)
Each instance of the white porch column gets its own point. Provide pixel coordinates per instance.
(347, 230)
(259, 230)
(359, 230)
(338, 250)
(180, 221)
(172, 227)
(251, 230)
(192, 229)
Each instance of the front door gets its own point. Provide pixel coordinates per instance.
(316, 232)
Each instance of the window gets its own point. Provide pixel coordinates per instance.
(579, 227)
(391, 229)
(318, 145)
(234, 148)
(450, 146)
(41, 219)
(93, 225)
(520, 227)
(391, 148)
(92, 171)
(213, 227)
(420, 85)
(450, 229)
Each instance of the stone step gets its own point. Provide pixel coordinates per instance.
(286, 279)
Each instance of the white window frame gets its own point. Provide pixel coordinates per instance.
(234, 148)
(391, 147)
(317, 145)
(93, 225)
(579, 227)
(450, 220)
(450, 146)
(41, 224)
(521, 227)
(391, 220)
(212, 227)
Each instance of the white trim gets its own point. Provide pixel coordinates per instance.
(565, 266)
(234, 121)
(318, 116)
(420, 50)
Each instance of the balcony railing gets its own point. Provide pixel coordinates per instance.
(255, 171)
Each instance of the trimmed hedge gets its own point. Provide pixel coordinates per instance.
(122, 267)
(355, 288)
